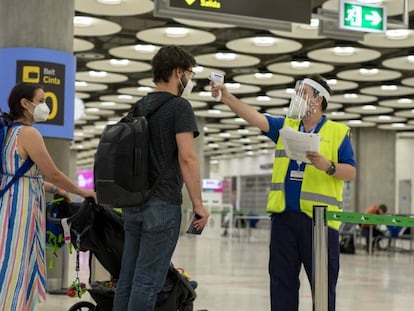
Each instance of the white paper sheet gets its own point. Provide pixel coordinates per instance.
(297, 143)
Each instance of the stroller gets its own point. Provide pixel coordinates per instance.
(100, 230)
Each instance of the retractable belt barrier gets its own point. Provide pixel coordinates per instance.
(320, 249)
(370, 219)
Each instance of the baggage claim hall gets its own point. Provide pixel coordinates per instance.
(94, 59)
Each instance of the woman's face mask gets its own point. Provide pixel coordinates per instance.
(41, 112)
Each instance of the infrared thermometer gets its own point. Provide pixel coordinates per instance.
(217, 79)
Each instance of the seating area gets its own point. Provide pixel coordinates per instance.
(394, 238)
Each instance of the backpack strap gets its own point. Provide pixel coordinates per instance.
(135, 111)
(20, 172)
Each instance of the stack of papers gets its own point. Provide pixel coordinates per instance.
(297, 143)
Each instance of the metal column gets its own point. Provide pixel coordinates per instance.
(320, 259)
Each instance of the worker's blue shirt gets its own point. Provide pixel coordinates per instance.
(292, 187)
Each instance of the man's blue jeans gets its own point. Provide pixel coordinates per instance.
(151, 234)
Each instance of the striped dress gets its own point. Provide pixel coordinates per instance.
(22, 234)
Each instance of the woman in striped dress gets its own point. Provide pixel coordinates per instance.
(22, 207)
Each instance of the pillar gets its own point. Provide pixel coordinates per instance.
(375, 156)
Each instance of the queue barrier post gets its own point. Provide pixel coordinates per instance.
(320, 259)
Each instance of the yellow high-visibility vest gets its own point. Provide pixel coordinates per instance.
(318, 188)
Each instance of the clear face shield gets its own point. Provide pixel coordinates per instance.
(302, 103)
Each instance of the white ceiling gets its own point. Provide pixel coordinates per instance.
(372, 79)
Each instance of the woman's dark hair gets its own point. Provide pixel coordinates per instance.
(20, 91)
(321, 81)
(169, 58)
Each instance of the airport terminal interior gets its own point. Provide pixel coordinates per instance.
(370, 69)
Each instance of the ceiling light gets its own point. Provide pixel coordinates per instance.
(98, 74)
(264, 41)
(369, 107)
(81, 83)
(368, 72)
(214, 111)
(332, 82)
(82, 21)
(290, 91)
(233, 86)
(384, 118)
(225, 135)
(204, 94)
(226, 56)
(119, 62)
(399, 125)
(392, 87)
(176, 32)
(344, 50)
(263, 98)
(144, 89)
(338, 113)
(314, 24)
(351, 96)
(263, 76)
(355, 122)
(300, 64)
(198, 69)
(245, 140)
(410, 58)
(243, 131)
(108, 104)
(397, 34)
(124, 96)
(404, 101)
(109, 1)
(213, 145)
(239, 120)
(145, 48)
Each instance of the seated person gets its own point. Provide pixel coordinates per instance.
(376, 233)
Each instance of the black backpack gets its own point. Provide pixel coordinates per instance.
(122, 158)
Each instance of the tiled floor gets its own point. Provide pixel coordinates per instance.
(232, 275)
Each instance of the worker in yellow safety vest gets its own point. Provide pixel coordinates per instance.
(313, 158)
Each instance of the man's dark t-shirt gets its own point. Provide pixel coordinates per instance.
(173, 117)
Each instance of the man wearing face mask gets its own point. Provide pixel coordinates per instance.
(296, 187)
(152, 228)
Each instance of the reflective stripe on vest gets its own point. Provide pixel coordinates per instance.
(332, 135)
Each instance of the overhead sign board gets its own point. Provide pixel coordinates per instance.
(260, 14)
(362, 17)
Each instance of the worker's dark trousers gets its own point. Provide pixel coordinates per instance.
(290, 247)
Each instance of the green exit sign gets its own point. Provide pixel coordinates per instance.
(361, 17)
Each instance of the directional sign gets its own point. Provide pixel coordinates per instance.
(361, 17)
(260, 14)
